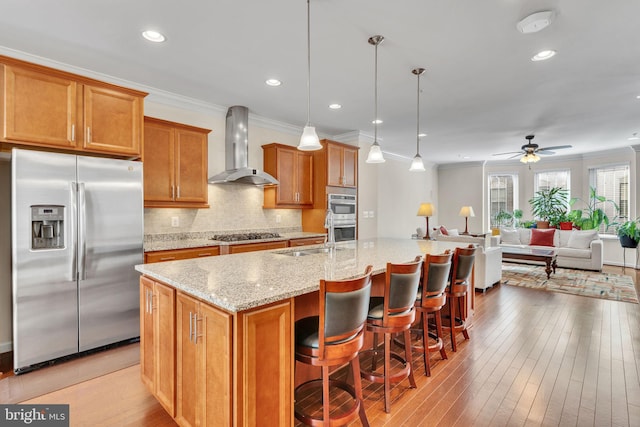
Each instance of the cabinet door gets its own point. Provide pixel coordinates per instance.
(164, 345)
(147, 364)
(39, 108)
(158, 163)
(186, 361)
(112, 121)
(286, 174)
(191, 166)
(334, 165)
(216, 366)
(304, 172)
(350, 167)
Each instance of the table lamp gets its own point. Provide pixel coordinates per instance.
(426, 210)
(466, 212)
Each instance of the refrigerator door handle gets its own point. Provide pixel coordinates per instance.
(82, 230)
(73, 216)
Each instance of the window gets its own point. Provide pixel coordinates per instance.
(550, 179)
(502, 194)
(612, 182)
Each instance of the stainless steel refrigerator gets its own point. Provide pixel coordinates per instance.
(77, 232)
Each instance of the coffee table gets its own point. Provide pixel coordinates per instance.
(548, 256)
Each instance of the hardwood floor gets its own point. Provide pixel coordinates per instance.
(534, 358)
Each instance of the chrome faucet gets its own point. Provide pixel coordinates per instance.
(329, 225)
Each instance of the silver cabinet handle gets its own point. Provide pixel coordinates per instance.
(146, 300)
(178, 191)
(190, 327)
(205, 254)
(73, 133)
(88, 134)
(173, 192)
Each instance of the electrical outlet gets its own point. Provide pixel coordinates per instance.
(371, 214)
(365, 214)
(278, 219)
(175, 221)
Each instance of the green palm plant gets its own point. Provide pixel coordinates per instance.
(592, 216)
(549, 204)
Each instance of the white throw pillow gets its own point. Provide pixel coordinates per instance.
(511, 237)
(581, 239)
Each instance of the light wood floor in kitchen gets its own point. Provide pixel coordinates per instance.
(534, 358)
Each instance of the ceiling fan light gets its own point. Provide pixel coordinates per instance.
(416, 164)
(375, 154)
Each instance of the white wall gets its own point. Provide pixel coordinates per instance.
(400, 193)
(461, 185)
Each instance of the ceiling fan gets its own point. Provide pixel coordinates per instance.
(530, 151)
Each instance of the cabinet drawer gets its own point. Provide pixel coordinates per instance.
(306, 241)
(250, 247)
(176, 254)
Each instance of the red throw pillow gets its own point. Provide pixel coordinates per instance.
(542, 237)
(443, 231)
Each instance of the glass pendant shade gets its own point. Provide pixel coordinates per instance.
(530, 158)
(375, 154)
(309, 140)
(417, 165)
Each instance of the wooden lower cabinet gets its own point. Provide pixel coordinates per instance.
(250, 247)
(230, 369)
(306, 241)
(157, 341)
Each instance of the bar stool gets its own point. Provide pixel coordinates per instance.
(391, 314)
(431, 299)
(332, 338)
(462, 268)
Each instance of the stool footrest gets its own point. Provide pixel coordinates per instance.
(375, 377)
(345, 417)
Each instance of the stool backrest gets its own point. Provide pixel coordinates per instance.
(344, 305)
(436, 274)
(401, 286)
(463, 260)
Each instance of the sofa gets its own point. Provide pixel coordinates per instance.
(581, 249)
(488, 264)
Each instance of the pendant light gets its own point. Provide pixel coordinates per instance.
(375, 153)
(309, 140)
(417, 165)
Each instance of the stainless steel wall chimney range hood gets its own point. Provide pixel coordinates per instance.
(236, 147)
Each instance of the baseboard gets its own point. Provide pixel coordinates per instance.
(6, 347)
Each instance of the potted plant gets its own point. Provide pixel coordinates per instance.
(629, 233)
(548, 204)
(593, 216)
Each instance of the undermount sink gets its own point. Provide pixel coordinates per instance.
(310, 251)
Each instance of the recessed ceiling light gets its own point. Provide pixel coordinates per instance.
(635, 137)
(376, 122)
(335, 106)
(638, 97)
(153, 36)
(273, 82)
(466, 157)
(422, 135)
(542, 55)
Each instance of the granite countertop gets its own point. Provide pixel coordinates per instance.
(165, 245)
(247, 280)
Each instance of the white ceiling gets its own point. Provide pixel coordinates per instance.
(481, 94)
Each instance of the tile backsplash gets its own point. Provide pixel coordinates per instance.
(233, 207)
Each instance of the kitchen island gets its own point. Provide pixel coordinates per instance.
(217, 333)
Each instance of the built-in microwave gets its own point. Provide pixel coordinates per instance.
(343, 206)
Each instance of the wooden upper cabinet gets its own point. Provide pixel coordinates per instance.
(49, 108)
(175, 164)
(294, 169)
(342, 164)
(112, 121)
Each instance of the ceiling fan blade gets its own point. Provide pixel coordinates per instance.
(555, 147)
(509, 152)
(545, 152)
(516, 156)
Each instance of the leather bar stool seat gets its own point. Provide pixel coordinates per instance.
(388, 315)
(334, 338)
(459, 286)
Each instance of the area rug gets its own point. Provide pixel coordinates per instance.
(592, 284)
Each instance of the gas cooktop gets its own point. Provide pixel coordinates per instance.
(244, 236)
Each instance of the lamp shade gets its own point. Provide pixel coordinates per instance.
(417, 165)
(309, 140)
(426, 209)
(466, 211)
(375, 154)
